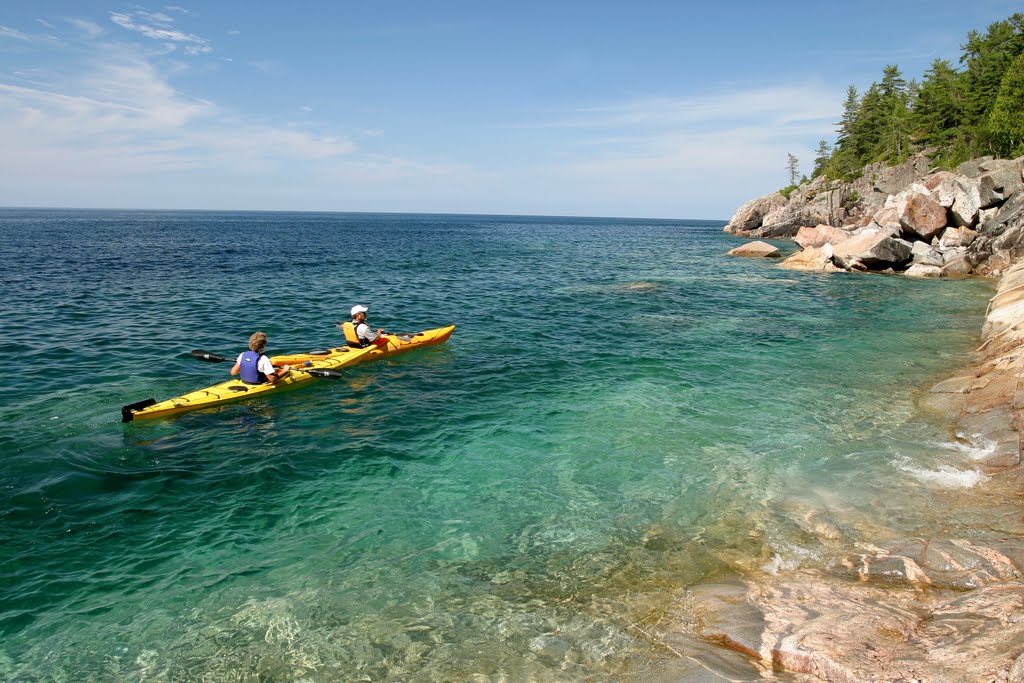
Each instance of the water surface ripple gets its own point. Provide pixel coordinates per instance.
(623, 411)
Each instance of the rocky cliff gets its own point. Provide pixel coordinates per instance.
(910, 219)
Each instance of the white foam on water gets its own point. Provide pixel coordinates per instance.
(791, 559)
(946, 476)
(978, 449)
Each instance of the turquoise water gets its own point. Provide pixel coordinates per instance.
(622, 412)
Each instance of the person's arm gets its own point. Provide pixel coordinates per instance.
(237, 367)
(273, 374)
(366, 334)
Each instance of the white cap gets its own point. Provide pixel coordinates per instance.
(358, 309)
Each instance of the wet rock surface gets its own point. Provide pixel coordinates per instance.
(917, 610)
(947, 609)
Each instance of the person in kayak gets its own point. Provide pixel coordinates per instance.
(358, 333)
(254, 367)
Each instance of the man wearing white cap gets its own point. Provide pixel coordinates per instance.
(358, 333)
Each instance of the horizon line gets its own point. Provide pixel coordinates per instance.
(383, 213)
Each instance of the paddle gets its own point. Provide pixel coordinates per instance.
(320, 372)
(209, 356)
(324, 373)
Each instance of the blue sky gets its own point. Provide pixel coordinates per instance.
(640, 109)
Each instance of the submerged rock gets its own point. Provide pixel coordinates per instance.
(923, 270)
(755, 249)
(935, 609)
(836, 629)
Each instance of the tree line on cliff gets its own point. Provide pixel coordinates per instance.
(953, 114)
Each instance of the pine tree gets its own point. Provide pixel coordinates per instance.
(953, 114)
(987, 58)
(1006, 122)
(892, 86)
(938, 109)
(869, 127)
(792, 166)
(894, 118)
(850, 108)
(821, 159)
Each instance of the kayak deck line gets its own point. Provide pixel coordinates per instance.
(305, 367)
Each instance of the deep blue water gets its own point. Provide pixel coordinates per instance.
(623, 411)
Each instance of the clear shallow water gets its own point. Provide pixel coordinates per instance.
(623, 411)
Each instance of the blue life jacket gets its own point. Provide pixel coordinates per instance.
(248, 369)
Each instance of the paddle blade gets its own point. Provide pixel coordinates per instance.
(208, 356)
(324, 373)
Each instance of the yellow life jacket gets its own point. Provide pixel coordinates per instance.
(351, 338)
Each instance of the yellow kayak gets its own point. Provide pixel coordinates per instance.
(305, 367)
(395, 344)
(236, 389)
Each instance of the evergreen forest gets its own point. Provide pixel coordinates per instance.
(955, 113)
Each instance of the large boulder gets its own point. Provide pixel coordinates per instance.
(923, 217)
(888, 219)
(926, 255)
(899, 200)
(942, 187)
(956, 268)
(786, 220)
(923, 270)
(1000, 240)
(966, 203)
(813, 259)
(872, 248)
(956, 237)
(751, 215)
(820, 235)
(895, 179)
(973, 168)
(1001, 179)
(755, 249)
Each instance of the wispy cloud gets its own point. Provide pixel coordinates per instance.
(702, 149)
(7, 32)
(90, 29)
(158, 26)
(120, 118)
(110, 126)
(769, 105)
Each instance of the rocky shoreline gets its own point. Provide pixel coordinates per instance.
(914, 609)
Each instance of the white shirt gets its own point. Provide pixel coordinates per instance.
(364, 332)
